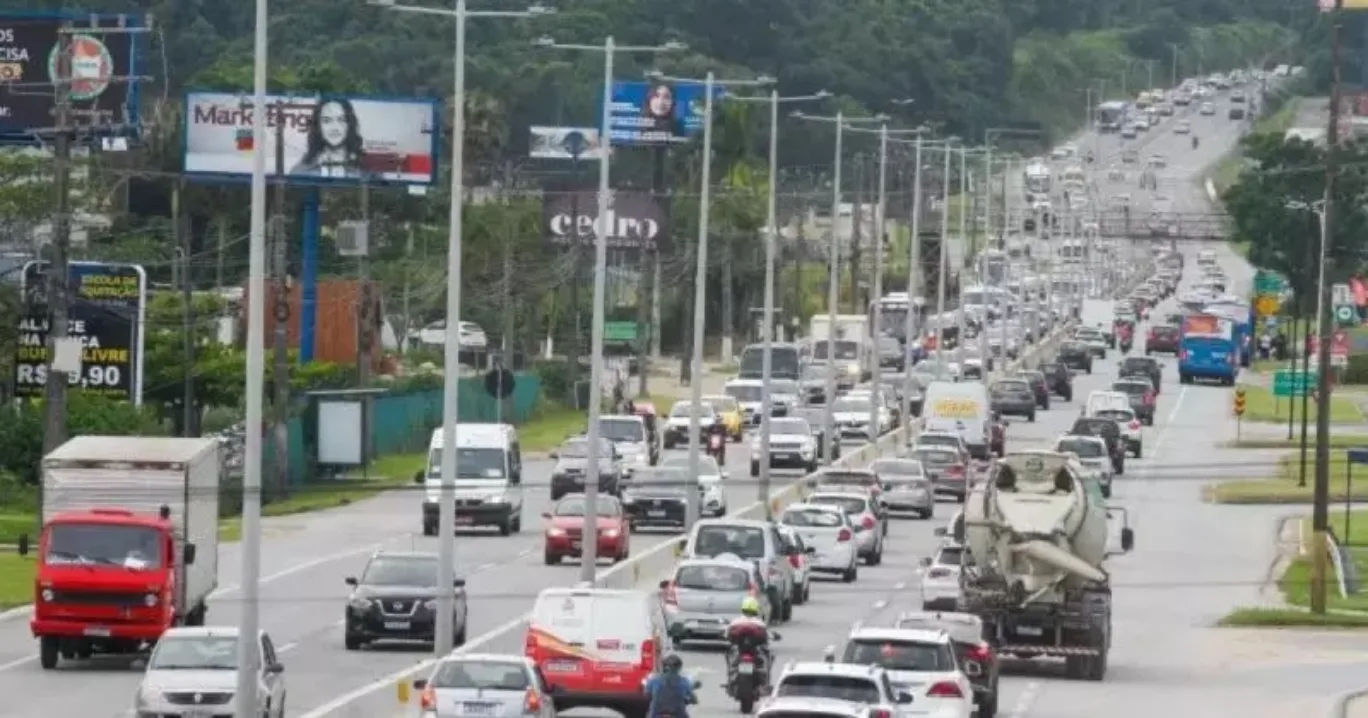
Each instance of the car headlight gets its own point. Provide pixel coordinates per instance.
(145, 697)
(47, 594)
(150, 600)
(500, 499)
(359, 604)
(610, 533)
(430, 605)
(555, 532)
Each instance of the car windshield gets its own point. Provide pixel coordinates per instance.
(938, 440)
(840, 478)
(712, 578)
(194, 653)
(950, 556)
(579, 449)
(825, 685)
(848, 504)
(851, 404)
(891, 468)
(481, 675)
(401, 571)
(471, 463)
(744, 392)
(814, 518)
(1130, 387)
(1139, 366)
(577, 506)
(1115, 415)
(936, 457)
(1084, 449)
(786, 387)
(133, 547)
(707, 465)
(844, 350)
(683, 409)
(1008, 387)
(631, 430)
(744, 541)
(790, 427)
(900, 655)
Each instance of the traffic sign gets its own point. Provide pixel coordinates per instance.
(1266, 282)
(1267, 305)
(1339, 348)
(1346, 315)
(1239, 402)
(1292, 383)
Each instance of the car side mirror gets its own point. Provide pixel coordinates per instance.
(187, 553)
(810, 550)
(276, 668)
(939, 531)
(924, 561)
(554, 454)
(1127, 539)
(419, 684)
(418, 476)
(696, 684)
(458, 583)
(904, 697)
(546, 515)
(351, 581)
(664, 584)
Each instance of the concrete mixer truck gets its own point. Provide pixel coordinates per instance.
(1035, 535)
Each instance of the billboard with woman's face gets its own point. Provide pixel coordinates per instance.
(657, 112)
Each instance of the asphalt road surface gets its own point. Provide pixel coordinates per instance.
(304, 561)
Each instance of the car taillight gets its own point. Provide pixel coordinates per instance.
(1182, 355)
(795, 561)
(868, 522)
(532, 704)
(747, 658)
(945, 689)
(881, 713)
(427, 701)
(981, 653)
(669, 595)
(844, 536)
(648, 655)
(1134, 424)
(530, 646)
(957, 471)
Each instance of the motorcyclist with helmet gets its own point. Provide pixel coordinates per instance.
(748, 633)
(717, 437)
(671, 692)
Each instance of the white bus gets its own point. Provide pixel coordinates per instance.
(1037, 178)
(893, 309)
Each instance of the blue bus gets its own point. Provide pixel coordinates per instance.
(1208, 348)
(1242, 315)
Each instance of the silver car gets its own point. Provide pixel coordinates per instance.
(906, 487)
(483, 684)
(705, 594)
(193, 672)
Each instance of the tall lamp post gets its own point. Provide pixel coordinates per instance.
(609, 48)
(771, 240)
(841, 121)
(710, 86)
(446, 521)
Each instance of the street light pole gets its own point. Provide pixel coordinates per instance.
(944, 263)
(771, 242)
(609, 48)
(446, 514)
(912, 326)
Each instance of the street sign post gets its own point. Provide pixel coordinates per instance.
(1267, 305)
(1292, 383)
(1239, 409)
(1339, 348)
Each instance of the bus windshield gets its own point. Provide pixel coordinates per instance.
(784, 362)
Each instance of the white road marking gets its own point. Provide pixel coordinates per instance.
(899, 586)
(880, 605)
(1025, 701)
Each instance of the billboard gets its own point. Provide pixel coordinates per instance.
(326, 139)
(636, 220)
(655, 113)
(108, 303)
(564, 143)
(102, 90)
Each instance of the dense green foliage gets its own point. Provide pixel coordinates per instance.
(1272, 208)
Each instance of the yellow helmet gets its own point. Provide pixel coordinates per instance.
(750, 606)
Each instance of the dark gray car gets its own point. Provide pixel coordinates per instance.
(567, 477)
(1014, 397)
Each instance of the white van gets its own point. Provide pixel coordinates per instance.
(962, 408)
(489, 489)
(598, 646)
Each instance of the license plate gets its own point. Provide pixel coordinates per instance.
(575, 545)
(656, 514)
(745, 669)
(397, 625)
(198, 714)
(562, 667)
(465, 520)
(1030, 631)
(478, 709)
(786, 457)
(97, 631)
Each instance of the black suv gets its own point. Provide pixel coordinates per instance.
(394, 600)
(1142, 366)
(1141, 394)
(567, 476)
(1059, 379)
(1039, 386)
(1076, 356)
(1110, 433)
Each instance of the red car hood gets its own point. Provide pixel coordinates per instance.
(103, 578)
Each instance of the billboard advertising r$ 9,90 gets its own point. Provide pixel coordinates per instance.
(325, 140)
(105, 314)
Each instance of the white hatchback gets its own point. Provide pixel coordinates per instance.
(864, 521)
(919, 662)
(940, 580)
(827, 530)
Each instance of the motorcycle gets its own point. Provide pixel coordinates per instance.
(717, 447)
(1194, 142)
(748, 674)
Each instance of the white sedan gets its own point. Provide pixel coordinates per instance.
(1182, 128)
(940, 588)
(828, 532)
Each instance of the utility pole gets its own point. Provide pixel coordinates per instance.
(1321, 493)
(365, 328)
(856, 238)
(220, 253)
(506, 341)
(406, 298)
(280, 379)
(55, 386)
(648, 290)
(190, 415)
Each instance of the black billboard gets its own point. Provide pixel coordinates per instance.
(102, 64)
(106, 311)
(636, 219)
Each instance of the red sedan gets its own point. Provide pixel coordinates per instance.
(565, 529)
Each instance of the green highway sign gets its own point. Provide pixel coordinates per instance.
(1346, 315)
(1266, 282)
(1292, 383)
(622, 332)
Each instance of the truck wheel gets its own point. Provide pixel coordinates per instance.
(988, 708)
(1096, 666)
(755, 468)
(352, 643)
(849, 575)
(47, 653)
(1075, 667)
(84, 650)
(429, 529)
(1139, 451)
